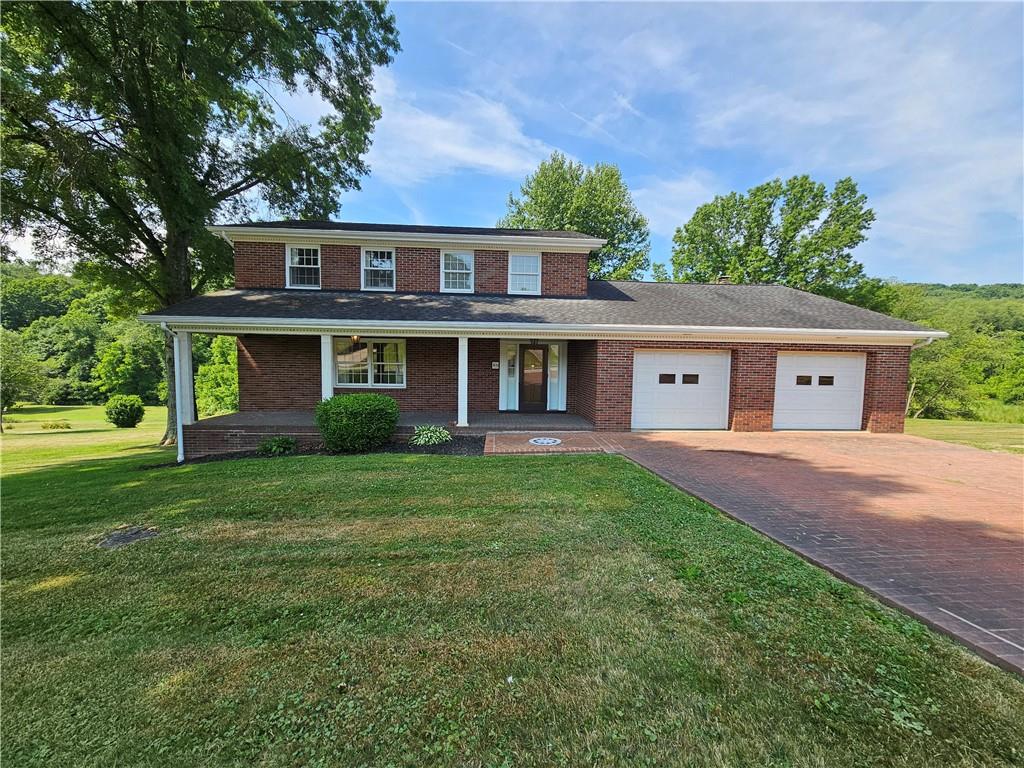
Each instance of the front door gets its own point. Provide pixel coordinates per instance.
(533, 378)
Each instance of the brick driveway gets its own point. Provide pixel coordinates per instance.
(935, 528)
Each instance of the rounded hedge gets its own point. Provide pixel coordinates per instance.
(125, 410)
(356, 423)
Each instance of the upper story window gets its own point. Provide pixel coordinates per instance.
(524, 273)
(303, 268)
(378, 272)
(457, 271)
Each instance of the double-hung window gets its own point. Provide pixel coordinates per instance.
(378, 272)
(369, 362)
(524, 273)
(303, 266)
(456, 272)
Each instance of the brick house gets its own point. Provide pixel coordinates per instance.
(495, 328)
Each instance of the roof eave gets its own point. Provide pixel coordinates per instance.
(576, 330)
(513, 242)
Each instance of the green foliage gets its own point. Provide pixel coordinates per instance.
(356, 423)
(128, 127)
(125, 411)
(430, 434)
(22, 373)
(564, 194)
(217, 379)
(793, 233)
(26, 295)
(58, 424)
(279, 445)
(131, 361)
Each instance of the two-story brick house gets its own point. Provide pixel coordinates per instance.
(459, 323)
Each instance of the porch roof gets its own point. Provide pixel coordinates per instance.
(626, 305)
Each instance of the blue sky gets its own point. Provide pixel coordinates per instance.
(920, 103)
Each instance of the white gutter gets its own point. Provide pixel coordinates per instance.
(512, 242)
(528, 328)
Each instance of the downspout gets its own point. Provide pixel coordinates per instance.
(910, 394)
(924, 343)
(178, 427)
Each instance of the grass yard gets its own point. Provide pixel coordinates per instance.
(408, 610)
(980, 434)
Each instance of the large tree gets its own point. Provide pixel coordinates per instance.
(794, 233)
(129, 126)
(565, 194)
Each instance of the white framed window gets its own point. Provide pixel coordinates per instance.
(378, 270)
(302, 266)
(524, 273)
(362, 362)
(456, 271)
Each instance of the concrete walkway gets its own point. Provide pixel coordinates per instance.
(934, 528)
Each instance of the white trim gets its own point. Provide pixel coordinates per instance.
(540, 274)
(288, 267)
(275, 234)
(463, 383)
(271, 325)
(472, 271)
(363, 268)
(327, 369)
(187, 404)
(370, 383)
(178, 427)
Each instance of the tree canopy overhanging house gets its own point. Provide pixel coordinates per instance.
(129, 127)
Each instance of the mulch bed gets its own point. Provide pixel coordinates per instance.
(460, 445)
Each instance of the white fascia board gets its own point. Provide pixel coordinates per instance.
(535, 330)
(511, 242)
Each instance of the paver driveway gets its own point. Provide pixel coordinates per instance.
(933, 527)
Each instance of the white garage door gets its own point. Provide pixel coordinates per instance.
(680, 390)
(818, 391)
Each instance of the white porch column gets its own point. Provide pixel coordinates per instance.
(326, 366)
(187, 402)
(179, 432)
(463, 416)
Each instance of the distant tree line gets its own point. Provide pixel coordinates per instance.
(68, 344)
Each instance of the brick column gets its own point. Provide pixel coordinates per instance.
(752, 388)
(885, 389)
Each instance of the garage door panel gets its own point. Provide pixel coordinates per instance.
(815, 391)
(680, 390)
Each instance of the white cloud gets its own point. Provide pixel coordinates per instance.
(669, 203)
(420, 136)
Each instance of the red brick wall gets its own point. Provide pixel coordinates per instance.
(417, 270)
(339, 267)
(582, 393)
(563, 274)
(606, 383)
(885, 389)
(201, 440)
(278, 373)
(491, 271)
(259, 265)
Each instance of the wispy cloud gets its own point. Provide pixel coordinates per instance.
(669, 203)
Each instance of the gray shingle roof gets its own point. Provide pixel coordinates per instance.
(411, 229)
(608, 303)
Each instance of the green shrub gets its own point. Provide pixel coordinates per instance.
(356, 423)
(281, 445)
(125, 410)
(59, 424)
(430, 434)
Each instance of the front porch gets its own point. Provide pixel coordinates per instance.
(245, 430)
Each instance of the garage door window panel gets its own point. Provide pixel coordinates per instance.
(691, 378)
(666, 378)
(826, 381)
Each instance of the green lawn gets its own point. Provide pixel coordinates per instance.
(415, 611)
(980, 434)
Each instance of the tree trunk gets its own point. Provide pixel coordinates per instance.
(178, 274)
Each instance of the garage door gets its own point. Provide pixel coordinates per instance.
(680, 390)
(818, 391)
